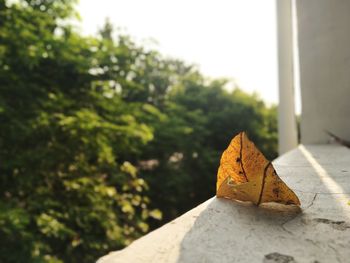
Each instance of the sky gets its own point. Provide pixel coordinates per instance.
(235, 39)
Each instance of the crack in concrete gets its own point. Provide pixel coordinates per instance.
(337, 256)
(338, 225)
(287, 221)
(313, 242)
(312, 202)
(291, 219)
(286, 230)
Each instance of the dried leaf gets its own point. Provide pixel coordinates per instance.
(246, 175)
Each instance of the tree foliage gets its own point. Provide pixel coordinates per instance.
(98, 132)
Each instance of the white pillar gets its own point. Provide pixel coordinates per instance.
(324, 49)
(287, 128)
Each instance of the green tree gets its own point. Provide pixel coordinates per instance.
(69, 189)
(201, 119)
(97, 132)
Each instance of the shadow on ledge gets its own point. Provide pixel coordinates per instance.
(229, 231)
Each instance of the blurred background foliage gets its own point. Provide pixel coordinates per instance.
(101, 139)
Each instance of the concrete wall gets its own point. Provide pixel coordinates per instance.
(324, 50)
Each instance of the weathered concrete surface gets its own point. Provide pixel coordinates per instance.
(226, 231)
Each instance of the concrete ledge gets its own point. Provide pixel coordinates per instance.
(226, 231)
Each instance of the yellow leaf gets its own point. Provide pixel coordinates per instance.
(246, 175)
